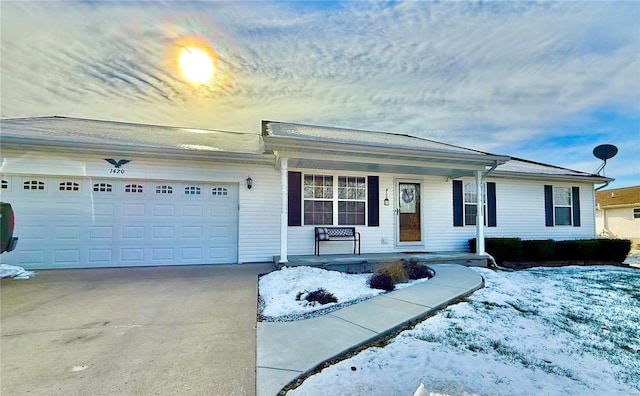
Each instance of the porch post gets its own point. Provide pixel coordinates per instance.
(284, 214)
(480, 215)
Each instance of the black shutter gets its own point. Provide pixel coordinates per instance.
(548, 205)
(373, 200)
(458, 211)
(491, 204)
(294, 201)
(575, 195)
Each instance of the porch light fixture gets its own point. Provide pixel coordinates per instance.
(386, 198)
(249, 182)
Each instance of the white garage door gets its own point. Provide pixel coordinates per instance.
(80, 223)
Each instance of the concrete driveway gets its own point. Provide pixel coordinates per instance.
(131, 331)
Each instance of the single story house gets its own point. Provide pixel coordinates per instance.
(618, 214)
(90, 193)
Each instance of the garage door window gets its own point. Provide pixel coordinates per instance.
(69, 186)
(33, 185)
(219, 191)
(164, 189)
(192, 190)
(102, 187)
(133, 188)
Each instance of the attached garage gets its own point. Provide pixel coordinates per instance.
(83, 222)
(90, 193)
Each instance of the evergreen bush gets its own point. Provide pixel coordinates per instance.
(538, 250)
(321, 296)
(382, 281)
(415, 270)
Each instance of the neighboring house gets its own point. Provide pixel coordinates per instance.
(618, 214)
(93, 193)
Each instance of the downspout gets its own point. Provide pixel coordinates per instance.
(603, 186)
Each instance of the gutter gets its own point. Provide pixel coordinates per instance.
(604, 185)
(493, 167)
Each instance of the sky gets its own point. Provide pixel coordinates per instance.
(544, 81)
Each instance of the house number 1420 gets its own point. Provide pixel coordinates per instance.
(117, 171)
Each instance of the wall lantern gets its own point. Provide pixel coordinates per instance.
(386, 198)
(249, 182)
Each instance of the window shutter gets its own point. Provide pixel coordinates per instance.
(458, 211)
(548, 205)
(294, 200)
(575, 196)
(491, 205)
(373, 200)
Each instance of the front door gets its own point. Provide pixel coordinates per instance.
(409, 229)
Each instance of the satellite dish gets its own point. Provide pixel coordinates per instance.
(604, 152)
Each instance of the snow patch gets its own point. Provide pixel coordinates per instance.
(15, 272)
(279, 289)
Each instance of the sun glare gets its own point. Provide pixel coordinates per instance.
(196, 65)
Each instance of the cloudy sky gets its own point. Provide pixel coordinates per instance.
(544, 81)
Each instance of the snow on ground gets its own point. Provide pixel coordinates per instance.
(633, 259)
(15, 272)
(279, 289)
(543, 331)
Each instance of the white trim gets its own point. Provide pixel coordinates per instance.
(479, 214)
(284, 214)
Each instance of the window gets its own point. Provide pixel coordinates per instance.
(5, 184)
(102, 187)
(464, 203)
(470, 205)
(562, 205)
(133, 188)
(351, 200)
(636, 213)
(163, 189)
(318, 199)
(219, 191)
(69, 186)
(33, 185)
(323, 198)
(192, 190)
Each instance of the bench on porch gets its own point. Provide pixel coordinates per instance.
(324, 234)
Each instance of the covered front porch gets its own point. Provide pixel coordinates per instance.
(387, 185)
(368, 262)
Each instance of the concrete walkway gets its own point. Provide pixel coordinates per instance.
(286, 351)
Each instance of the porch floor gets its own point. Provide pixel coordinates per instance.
(368, 262)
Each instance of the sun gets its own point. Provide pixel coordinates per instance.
(196, 65)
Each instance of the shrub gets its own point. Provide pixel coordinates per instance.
(615, 250)
(502, 249)
(321, 296)
(586, 249)
(381, 280)
(538, 250)
(395, 270)
(415, 270)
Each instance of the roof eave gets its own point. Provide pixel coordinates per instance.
(143, 152)
(593, 179)
(288, 144)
